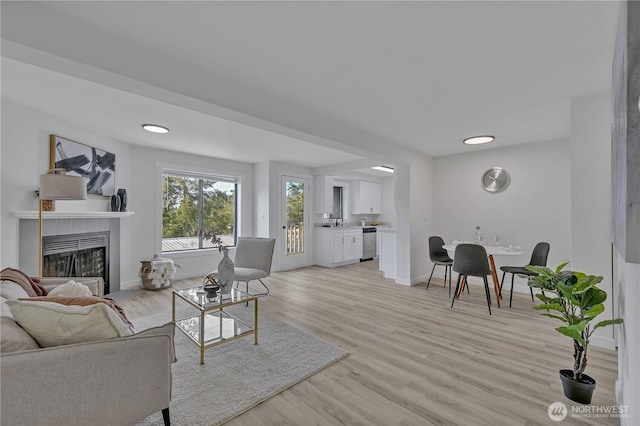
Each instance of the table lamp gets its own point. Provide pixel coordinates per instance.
(57, 185)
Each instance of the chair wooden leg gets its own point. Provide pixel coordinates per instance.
(531, 290)
(455, 293)
(463, 284)
(429, 280)
(488, 293)
(165, 417)
(445, 277)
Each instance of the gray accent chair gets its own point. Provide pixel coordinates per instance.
(471, 260)
(538, 258)
(252, 261)
(439, 256)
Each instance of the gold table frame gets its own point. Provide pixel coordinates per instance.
(213, 310)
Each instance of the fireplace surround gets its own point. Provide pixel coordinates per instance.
(84, 224)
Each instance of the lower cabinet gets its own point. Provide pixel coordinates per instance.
(337, 247)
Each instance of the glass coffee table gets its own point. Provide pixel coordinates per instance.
(212, 324)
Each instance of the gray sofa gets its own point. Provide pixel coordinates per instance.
(110, 382)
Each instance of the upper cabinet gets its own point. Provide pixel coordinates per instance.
(323, 188)
(367, 197)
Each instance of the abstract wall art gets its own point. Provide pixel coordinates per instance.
(98, 166)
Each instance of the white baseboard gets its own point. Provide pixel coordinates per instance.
(602, 342)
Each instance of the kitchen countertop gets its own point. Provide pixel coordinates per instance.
(383, 226)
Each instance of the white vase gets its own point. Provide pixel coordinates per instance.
(225, 273)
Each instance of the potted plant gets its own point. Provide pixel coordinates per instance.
(575, 300)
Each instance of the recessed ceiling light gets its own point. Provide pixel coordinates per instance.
(477, 140)
(383, 168)
(155, 128)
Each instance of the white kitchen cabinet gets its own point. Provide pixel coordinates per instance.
(323, 194)
(337, 246)
(352, 241)
(367, 197)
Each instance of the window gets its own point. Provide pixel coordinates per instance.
(196, 207)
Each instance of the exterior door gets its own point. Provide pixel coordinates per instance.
(295, 222)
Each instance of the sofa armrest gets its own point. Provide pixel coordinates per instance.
(95, 284)
(117, 381)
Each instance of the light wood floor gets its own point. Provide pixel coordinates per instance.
(413, 360)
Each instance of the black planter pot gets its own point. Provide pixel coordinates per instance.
(577, 391)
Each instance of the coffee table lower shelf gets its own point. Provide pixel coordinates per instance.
(213, 325)
(218, 329)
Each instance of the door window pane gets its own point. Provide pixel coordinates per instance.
(295, 217)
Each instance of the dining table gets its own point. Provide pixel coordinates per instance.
(492, 251)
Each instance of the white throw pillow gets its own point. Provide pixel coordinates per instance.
(54, 324)
(71, 289)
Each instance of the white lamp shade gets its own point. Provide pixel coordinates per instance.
(62, 187)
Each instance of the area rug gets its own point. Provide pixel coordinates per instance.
(238, 375)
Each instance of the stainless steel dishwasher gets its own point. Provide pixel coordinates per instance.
(368, 243)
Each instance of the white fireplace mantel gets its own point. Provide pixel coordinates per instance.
(24, 214)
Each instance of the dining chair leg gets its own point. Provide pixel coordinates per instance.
(511, 295)
(455, 293)
(445, 277)
(486, 290)
(429, 280)
(502, 283)
(531, 290)
(463, 284)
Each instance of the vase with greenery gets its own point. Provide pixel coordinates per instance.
(225, 266)
(575, 300)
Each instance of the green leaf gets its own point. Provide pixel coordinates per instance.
(572, 331)
(594, 297)
(593, 311)
(586, 282)
(553, 316)
(546, 298)
(560, 267)
(540, 270)
(552, 306)
(608, 322)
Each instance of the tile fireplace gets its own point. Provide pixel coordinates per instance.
(72, 246)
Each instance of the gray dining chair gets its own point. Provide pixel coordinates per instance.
(471, 260)
(252, 261)
(439, 256)
(538, 258)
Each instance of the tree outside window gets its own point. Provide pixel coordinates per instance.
(195, 208)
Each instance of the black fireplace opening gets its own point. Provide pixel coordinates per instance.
(77, 255)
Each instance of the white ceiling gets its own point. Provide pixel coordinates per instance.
(423, 75)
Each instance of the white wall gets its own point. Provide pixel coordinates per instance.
(535, 207)
(422, 215)
(388, 213)
(25, 156)
(261, 199)
(591, 198)
(145, 198)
